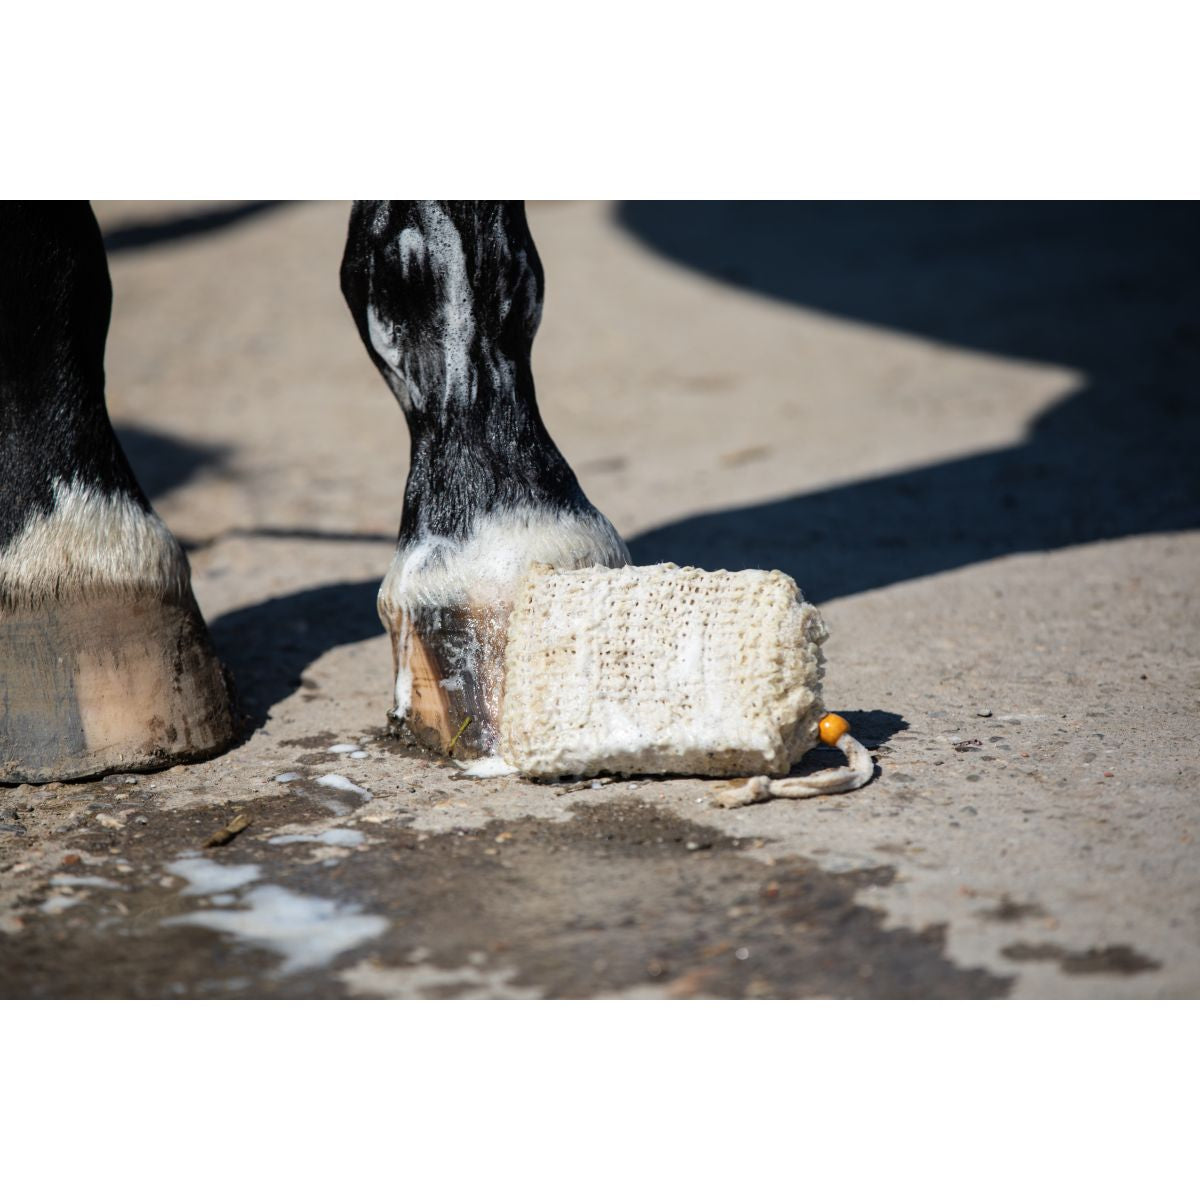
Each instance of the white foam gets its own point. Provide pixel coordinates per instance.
(342, 748)
(343, 785)
(417, 982)
(206, 877)
(360, 754)
(287, 777)
(486, 768)
(56, 904)
(331, 837)
(84, 881)
(306, 931)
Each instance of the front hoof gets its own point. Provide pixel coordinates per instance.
(94, 686)
(446, 604)
(449, 677)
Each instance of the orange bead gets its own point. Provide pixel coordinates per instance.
(832, 727)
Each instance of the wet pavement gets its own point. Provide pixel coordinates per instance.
(1006, 558)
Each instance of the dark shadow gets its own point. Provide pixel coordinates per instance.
(160, 462)
(1112, 290)
(874, 727)
(139, 234)
(284, 532)
(267, 646)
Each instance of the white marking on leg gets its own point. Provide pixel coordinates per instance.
(483, 571)
(92, 543)
(437, 572)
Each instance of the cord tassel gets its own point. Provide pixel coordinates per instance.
(835, 731)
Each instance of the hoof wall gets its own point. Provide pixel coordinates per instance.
(108, 685)
(450, 672)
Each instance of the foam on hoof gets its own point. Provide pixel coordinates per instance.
(449, 664)
(105, 661)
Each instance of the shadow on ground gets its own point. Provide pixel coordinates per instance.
(139, 234)
(161, 462)
(267, 646)
(1110, 290)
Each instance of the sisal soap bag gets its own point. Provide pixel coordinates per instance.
(660, 670)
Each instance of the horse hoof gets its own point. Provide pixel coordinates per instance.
(446, 605)
(97, 685)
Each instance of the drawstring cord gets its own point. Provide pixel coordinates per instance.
(834, 731)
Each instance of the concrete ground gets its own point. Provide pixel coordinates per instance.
(969, 433)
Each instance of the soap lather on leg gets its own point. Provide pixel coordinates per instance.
(447, 297)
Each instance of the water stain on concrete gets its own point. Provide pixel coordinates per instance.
(1010, 910)
(1112, 960)
(622, 896)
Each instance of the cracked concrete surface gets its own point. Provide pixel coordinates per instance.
(971, 440)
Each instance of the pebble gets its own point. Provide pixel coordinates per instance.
(983, 712)
(287, 777)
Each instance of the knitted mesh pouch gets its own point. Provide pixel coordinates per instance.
(660, 670)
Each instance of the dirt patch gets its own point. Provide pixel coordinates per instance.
(1109, 960)
(623, 894)
(1009, 910)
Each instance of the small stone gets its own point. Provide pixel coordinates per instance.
(983, 712)
(742, 953)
